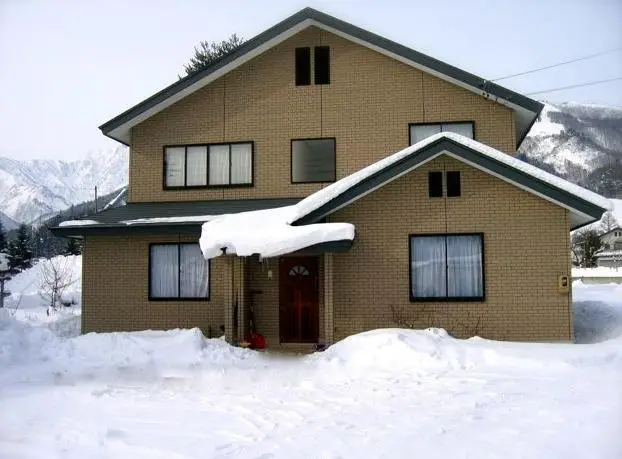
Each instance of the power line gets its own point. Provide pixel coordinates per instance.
(559, 64)
(574, 86)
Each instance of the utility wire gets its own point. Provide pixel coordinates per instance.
(559, 64)
(574, 86)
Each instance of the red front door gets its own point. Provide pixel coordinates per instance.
(298, 298)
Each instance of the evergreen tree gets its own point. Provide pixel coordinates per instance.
(3, 244)
(20, 250)
(72, 248)
(207, 53)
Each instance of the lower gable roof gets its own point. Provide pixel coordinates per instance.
(584, 205)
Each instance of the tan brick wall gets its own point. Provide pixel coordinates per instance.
(526, 247)
(115, 283)
(367, 106)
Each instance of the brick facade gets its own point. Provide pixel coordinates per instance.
(367, 107)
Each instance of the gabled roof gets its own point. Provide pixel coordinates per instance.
(615, 228)
(584, 205)
(526, 110)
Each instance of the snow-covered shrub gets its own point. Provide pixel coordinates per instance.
(56, 277)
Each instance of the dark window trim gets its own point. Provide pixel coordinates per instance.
(429, 123)
(291, 160)
(445, 299)
(207, 145)
(178, 298)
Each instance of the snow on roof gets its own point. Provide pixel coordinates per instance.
(78, 223)
(324, 195)
(266, 233)
(155, 220)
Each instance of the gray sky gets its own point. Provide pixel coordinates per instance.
(67, 66)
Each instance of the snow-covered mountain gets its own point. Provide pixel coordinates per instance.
(8, 223)
(580, 142)
(33, 188)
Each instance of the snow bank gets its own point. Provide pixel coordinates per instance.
(600, 271)
(597, 312)
(267, 233)
(27, 305)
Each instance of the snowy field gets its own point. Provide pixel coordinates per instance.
(382, 394)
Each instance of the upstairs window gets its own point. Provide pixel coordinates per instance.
(229, 164)
(419, 132)
(453, 184)
(322, 65)
(303, 66)
(447, 267)
(321, 62)
(435, 184)
(313, 160)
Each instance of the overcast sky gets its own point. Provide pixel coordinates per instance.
(67, 66)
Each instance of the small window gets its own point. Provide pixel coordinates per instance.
(453, 184)
(178, 272)
(435, 184)
(303, 66)
(322, 65)
(208, 165)
(419, 132)
(313, 160)
(447, 267)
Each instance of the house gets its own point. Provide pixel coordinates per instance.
(338, 182)
(611, 255)
(612, 239)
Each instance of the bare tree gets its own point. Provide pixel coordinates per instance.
(584, 245)
(607, 222)
(56, 277)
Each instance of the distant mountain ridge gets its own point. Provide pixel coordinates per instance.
(580, 142)
(31, 189)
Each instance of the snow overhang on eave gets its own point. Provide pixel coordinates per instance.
(526, 110)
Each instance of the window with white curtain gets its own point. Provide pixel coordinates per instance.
(178, 271)
(228, 164)
(419, 132)
(447, 267)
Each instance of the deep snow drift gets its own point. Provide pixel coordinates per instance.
(385, 393)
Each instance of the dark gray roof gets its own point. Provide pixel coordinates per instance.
(111, 221)
(588, 211)
(487, 87)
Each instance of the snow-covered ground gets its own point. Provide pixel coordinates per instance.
(27, 305)
(600, 271)
(387, 393)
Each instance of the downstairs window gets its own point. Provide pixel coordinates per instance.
(447, 267)
(178, 272)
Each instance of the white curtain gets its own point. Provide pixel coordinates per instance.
(174, 160)
(423, 131)
(164, 271)
(464, 266)
(428, 267)
(197, 166)
(194, 272)
(241, 163)
(219, 165)
(465, 129)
